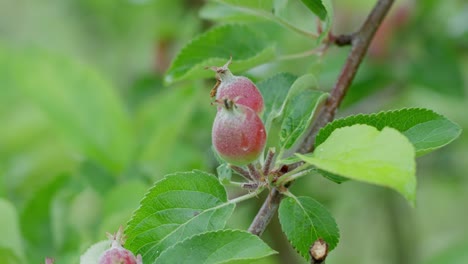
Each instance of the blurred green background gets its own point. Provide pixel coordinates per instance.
(87, 124)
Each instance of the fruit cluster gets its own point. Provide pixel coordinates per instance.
(238, 133)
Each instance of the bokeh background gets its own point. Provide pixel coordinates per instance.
(87, 124)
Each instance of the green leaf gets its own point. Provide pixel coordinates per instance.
(274, 91)
(425, 129)
(177, 207)
(92, 254)
(438, 66)
(224, 173)
(225, 13)
(120, 203)
(124, 196)
(11, 246)
(317, 7)
(327, 4)
(158, 131)
(96, 176)
(333, 177)
(69, 93)
(251, 11)
(372, 78)
(290, 104)
(83, 217)
(36, 218)
(429, 136)
(222, 246)
(454, 253)
(301, 104)
(28, 141)
(248, 48)
(304, 220)
(362, 152)
(65, 236)
(266, 5)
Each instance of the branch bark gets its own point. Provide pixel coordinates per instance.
(266, 213)
(359, 44)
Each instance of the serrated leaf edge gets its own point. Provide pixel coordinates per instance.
(307, 257)
(185, 224)
(223, 231)
(145, 197)
(344, 119)
(211, 60)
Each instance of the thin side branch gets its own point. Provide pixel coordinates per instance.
(268, 162)
(359, 44)
(241, 172)
(254, 173)
(341, 40)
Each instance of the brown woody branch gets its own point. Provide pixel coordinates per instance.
(359, 42)
(266, 212)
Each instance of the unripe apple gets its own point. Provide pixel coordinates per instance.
(238, 133)
(117, 254)
(238, 88)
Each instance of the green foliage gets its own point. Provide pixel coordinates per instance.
(317, 7)
(333, 177)
(425, 129)
(265, 5)
(328, 19)
(362, 152)
(224, 173)
(371, 79)
(455, 254)
(11, 246)
(119, 203)
(300, 108)
(290, 105)
(214, 48)
(96, 176)
(222, 246)
(274, 90)
(222, 12)
(39, 232)
(92, 254)
(304, 220)
(82, 136)
(158, 132)
(58, 87)
(177, 207)
(436, 67)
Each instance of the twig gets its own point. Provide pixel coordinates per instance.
(341, 40)
(317, 51)
(235, 184)
(246, 196)
(254, 172)
(266, 212)
(360, 42)
(268, 162)
(291, 176)
(242, 172)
